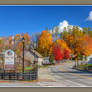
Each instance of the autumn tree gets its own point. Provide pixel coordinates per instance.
(83, 45)
(3, 43)
(60, 50)
(18, 39)
(18, 42)
(27, 40)
(86, 45)
(66, 54)
(10, 42)
(53, 34)
(0, 45)
(34, 40)
(37, 35)
(79, 41)
(44, 43)
(73, 40)
(57, 52)
(62, 44)
(63, 34)
(56, 31)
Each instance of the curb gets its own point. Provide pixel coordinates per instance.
(84, 70)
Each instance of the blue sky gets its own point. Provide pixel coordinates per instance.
(32, 19)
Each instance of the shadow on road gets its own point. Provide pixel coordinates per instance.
(73, 71)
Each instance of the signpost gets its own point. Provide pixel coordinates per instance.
(9, 60)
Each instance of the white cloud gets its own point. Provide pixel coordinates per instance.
(64, 24)
(90, 16)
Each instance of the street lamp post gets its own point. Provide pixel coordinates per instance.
(23, 40)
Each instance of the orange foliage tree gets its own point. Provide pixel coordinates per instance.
(18, 42)
(74, 40)
(10, 42)
(79, 42)
(62, 44)
(87, 45)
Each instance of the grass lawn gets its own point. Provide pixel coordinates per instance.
(43, 66)
(85, 67)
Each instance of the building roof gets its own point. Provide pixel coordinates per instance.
(36, 53)
(28, 56)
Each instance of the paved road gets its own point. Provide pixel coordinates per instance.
(64, 74)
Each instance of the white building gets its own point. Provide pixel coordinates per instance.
(37, 57)
(89, 59)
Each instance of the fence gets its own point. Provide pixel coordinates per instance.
(17, 74)
(29, 75)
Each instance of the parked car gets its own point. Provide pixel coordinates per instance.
(46, 61)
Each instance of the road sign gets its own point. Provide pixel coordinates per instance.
(9, 60)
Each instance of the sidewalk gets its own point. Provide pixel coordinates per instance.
(43, 75)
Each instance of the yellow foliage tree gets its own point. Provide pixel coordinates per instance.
(44, 43)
